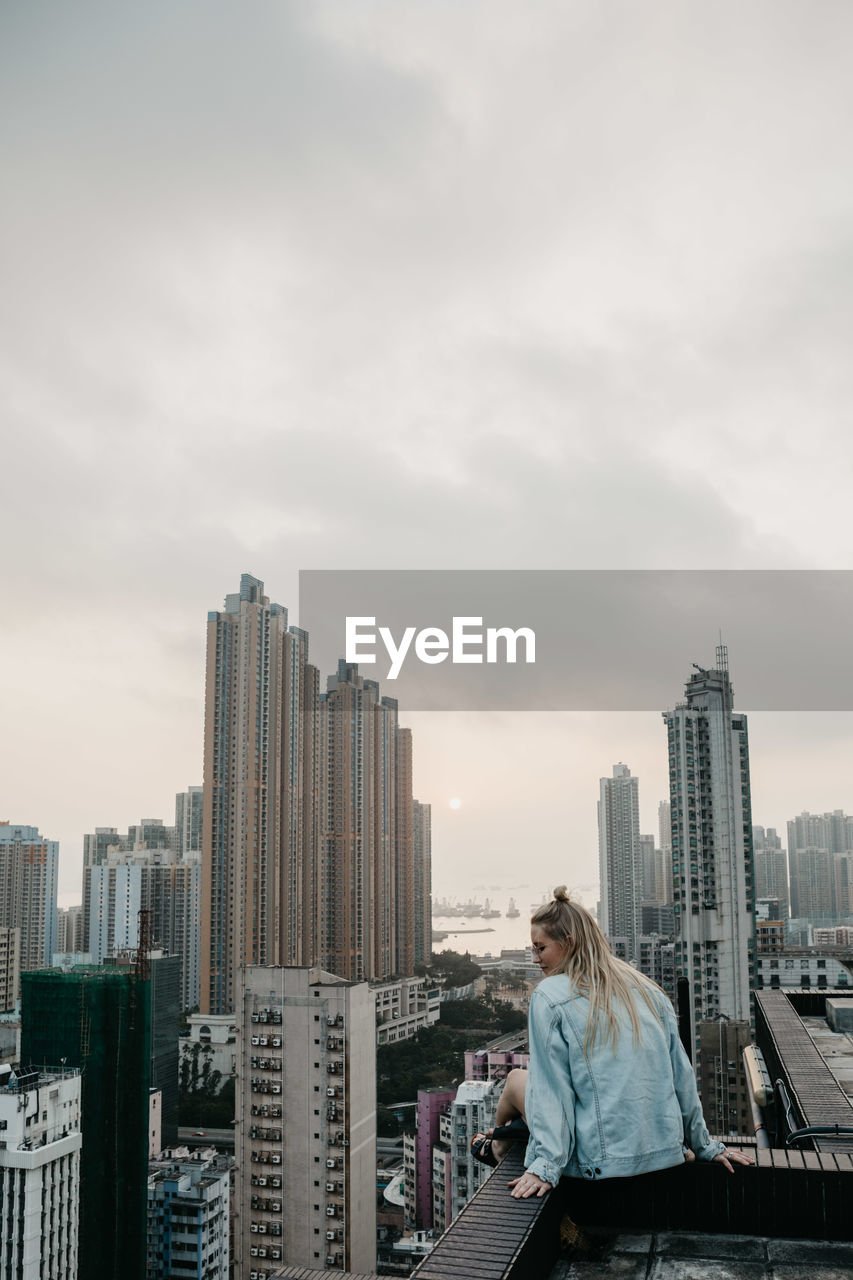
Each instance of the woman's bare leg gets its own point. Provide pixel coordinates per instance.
(510, 1105)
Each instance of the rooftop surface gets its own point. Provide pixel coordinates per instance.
(694, 1256)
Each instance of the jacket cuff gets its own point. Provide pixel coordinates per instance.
(543, 1169)
(711, 1150)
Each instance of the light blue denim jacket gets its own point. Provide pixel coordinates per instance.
(621, 1109)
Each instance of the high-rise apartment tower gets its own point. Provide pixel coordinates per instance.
(259, 832)
(29, 866)
(620, 858)
(712, 846)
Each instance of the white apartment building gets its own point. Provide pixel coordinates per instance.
(188, 1206)
(456, 1175)
(305, 1142)
(805, 967)
(162, 883)
(40, 1144)
(403, 1007)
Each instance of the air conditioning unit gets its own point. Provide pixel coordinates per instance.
(262, 1253)
(330, 1164)
(254, 1249)
(253, 1227)
(275, 1159)
(330, 1186)
(262, 1228)
(330, 1092)
(330, 1022)
(276, 1042)
(256, 1039)
(330, 1211)
(276, 1088)
(275, 1253)
(262, 1182)
(263, 1039)
(330, 1235)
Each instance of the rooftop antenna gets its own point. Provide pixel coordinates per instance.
(722, 655)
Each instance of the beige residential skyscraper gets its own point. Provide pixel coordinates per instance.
(620, 858)
(28, 881)
(10, 967)
(305, 1140)
(366, 881)
(259, 825)
(422, 826)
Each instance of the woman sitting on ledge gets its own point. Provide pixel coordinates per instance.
(610, 1091)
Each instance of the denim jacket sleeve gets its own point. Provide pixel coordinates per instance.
(695, 1132)
(550, 1098)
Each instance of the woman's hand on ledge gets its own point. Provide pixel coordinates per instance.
(730, 1158)
(528, 1185)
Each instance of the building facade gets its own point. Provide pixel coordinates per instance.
(472, 1111)
(10, 968)
(145, 836)
(366, 881)
(259, 824)
(160, 882)
(404, 1006)
(418, 1156)
(305, 1141)
(29, 866)
(308, 827)
(69, 930)
(620, 857)
(723, 1087)
(189, 812)
(712, 847)
(771, 868)
(39, 1173)
(422, 829)
(188, 1228)
(98, 1020)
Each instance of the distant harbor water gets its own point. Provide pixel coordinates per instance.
(480, 936)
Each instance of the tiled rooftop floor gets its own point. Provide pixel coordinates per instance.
(694, 1256)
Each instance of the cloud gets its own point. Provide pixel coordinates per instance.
(398, 285)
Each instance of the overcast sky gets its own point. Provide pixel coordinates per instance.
(402, 284)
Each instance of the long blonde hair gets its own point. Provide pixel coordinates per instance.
(592, 968)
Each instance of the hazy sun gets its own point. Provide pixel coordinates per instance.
(456, 803)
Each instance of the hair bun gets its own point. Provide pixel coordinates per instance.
(561, 893)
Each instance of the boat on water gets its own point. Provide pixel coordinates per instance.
(512, 911)
(490, 912)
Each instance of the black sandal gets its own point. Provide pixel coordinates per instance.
(515, 1131)
(481, 1149)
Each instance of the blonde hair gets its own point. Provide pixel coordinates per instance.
(592, 968)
